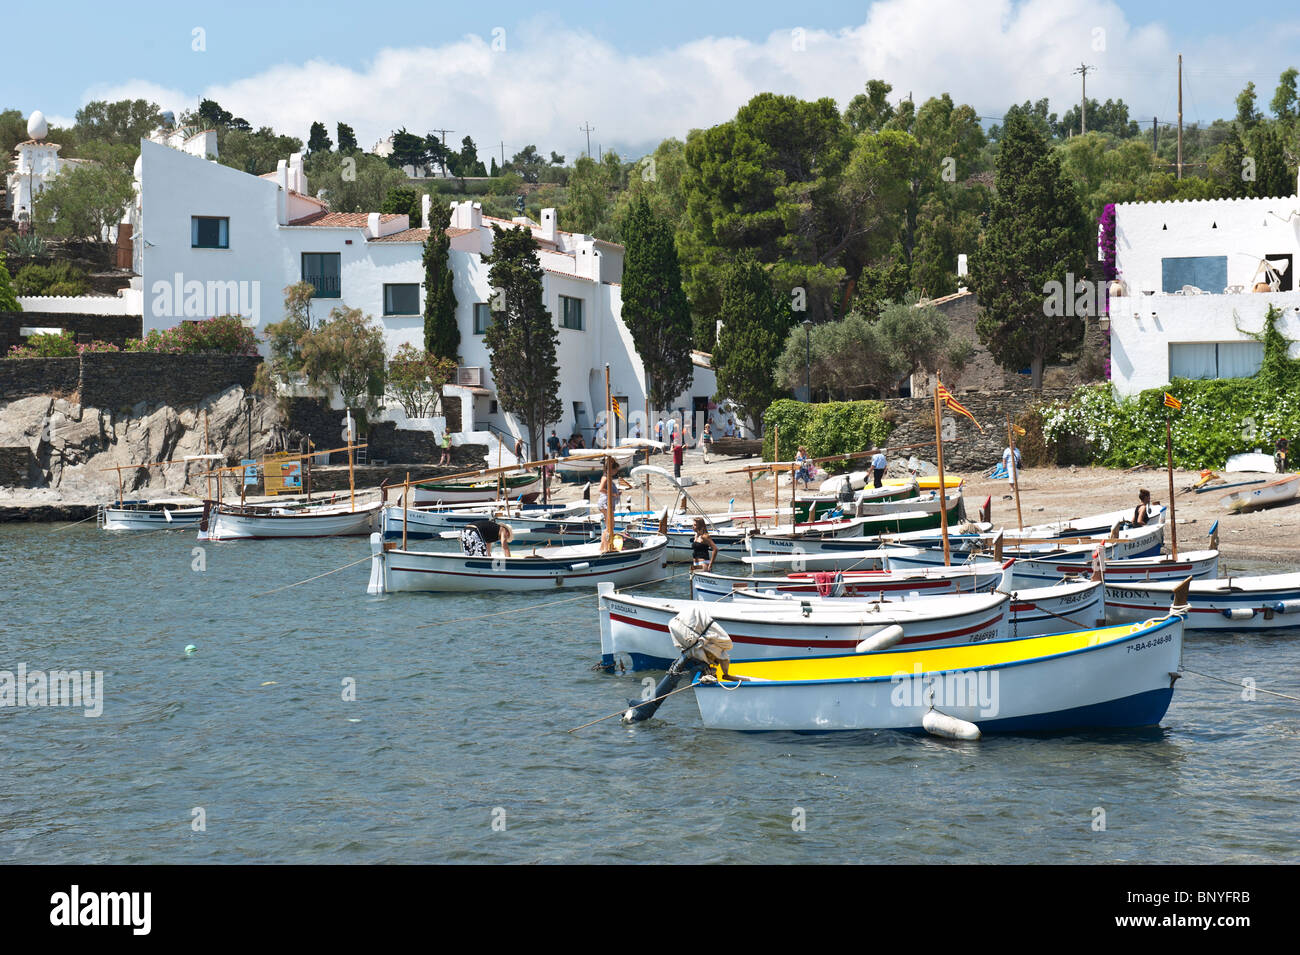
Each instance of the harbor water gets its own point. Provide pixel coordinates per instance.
(315, 723)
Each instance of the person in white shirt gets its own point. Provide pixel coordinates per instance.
(1012, 463)
(878, 466)
(730, 432)
(672, 429)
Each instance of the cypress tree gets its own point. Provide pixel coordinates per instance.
(8, 300)
(441, 333)
(1035, 241)
(522, 339)
(655, 309)
(755, 324)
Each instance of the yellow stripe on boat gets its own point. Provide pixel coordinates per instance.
(932, 483)
(967, 657)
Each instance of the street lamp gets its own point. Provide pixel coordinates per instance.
(807, 359)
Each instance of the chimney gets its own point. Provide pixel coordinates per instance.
(961, 266)
(296, 180)
(426, 204)
(282, 200)
(372, 225)
(550, 224)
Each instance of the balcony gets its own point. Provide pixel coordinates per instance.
(326, 286)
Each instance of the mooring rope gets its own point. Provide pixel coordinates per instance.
(265, 593)
(1238, 683)
(75, 523)
(633, 706)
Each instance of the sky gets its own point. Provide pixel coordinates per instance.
(636, 72)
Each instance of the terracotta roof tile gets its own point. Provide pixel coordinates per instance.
(340, 220)
(418, 235)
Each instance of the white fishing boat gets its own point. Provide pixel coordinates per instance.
(1267, 602)
(1094, 525)
(395, 570)
(1263, 495)
(588, 465)
(1130, 542)
(635, 634)
(975, 577)
(511, 487)
(1034, 611)
(1255, 462)
(150, 515)
(424, 523)
(1038, 572)
(225, 522)
(1108, 678)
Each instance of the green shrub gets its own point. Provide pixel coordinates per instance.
(225, 334)
(57, 278)
(46, 345)
(833, 427)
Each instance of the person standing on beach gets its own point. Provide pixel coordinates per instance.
(878, 466)
(446, 449)
(1011, 461)
(553, 444)
(678, 451)
(706, 440)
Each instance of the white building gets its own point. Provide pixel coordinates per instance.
(36, 162)
(213, 240)
(1192, 275)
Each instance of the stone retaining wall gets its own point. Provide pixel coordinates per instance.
(84, 328)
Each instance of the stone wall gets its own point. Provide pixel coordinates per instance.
(84, 328)
(970, 451)
(385, 441)
(24, 377)
(114, 380)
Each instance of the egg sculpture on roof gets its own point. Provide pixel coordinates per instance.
(37, 127)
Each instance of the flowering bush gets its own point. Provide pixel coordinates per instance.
(225, 334)
(96, 347)
(46, 345)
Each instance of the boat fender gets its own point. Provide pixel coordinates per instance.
(882, 639)
(583, 566)
(640, 710)
(948, 727)
(1287, 606)
(1239, 613)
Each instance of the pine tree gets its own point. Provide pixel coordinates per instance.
(755, 323)
(347, 138)
(319, 141)
(8, 299)
(522, 339)
(655, 309)
(1035, 241)
(441, 332)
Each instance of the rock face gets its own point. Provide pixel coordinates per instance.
(68, 447)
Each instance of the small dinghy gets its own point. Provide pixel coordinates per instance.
(1108, 678)
(1263, 495)
(634, 561)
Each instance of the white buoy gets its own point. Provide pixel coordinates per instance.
(948, 727)
(1239, 613)
(882, 639)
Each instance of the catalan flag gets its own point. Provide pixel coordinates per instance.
(1172, 402)
(617, 410)
(1019, 430)
(952, 404)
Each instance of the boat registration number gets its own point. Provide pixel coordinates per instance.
(1148, 644)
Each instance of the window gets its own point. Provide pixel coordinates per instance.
(1215, 360)
(209, 232)
(322, 269)
(571, 313)
(482, 317)
(402, 299)
(1209, 273)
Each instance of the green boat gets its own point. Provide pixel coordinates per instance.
(450, 492)
(822, 504)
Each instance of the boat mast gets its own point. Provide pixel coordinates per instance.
(943, 485)
(1169, 458)
(1011, 443)
(352, 483)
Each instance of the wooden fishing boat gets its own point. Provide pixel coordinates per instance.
(873, 502)
(1267, 602)
(149, 515)
(1034, 611)
(1094, 525)
(394, 570)
(1263, 495)
(423, 523)
(634, 628)
(1108, 678)
(1253, 462)
(588, 465)
(1040, 571)
(976, 577)
(224, 522)
(514, 486)
(818, 536)
(920, 552)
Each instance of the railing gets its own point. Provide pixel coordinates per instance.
(326, 286)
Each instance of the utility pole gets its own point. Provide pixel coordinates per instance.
(1155, 135)
(1083, 104)
(443, 133)
(1180, 116)
(503, 153)
(586, 127)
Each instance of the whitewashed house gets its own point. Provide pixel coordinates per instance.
(36, 163)
(1192, 275)
(213, 240)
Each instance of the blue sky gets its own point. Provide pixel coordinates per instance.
(636, 71)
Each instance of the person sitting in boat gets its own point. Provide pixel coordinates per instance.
(607, 482)
(477, 538)
(846, 490)
(1142, 513)
(704, 550)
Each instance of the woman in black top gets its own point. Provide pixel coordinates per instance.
(703, 550)
(477, 538)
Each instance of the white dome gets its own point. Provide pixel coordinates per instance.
(37, 127)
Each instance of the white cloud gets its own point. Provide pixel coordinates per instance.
(551, 78)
